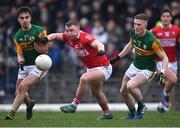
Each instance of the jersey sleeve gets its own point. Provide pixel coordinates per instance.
(18, 47)
(43, 33)
(65, 37)
(88, 39)
(156, 46)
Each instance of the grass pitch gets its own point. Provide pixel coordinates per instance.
(88, 119)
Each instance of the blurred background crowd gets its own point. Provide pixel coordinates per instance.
(108, 20)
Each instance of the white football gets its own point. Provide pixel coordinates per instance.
(43, 62)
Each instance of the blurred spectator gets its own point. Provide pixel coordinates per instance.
(175, 6)
(56, 56)
(115, 35)
(2, 58)
(128, 26)
(111, 13)
(99, 31)
(85, 25)
(44, 14)
(85, 9)
(73, 15)
(11, 76)
(2, 76)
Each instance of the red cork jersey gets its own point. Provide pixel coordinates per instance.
(168, 38)
(85, 52)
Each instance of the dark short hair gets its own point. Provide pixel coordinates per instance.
(24, 9)
(141, 16)
(166, 10)
(72, 22)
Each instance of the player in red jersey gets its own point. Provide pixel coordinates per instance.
(169, 36)
(92, 54)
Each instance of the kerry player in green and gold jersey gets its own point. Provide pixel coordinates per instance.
(27, 51)
(147, 47)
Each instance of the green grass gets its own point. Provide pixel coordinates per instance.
(88, 119)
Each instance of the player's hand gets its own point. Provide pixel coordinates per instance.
(21, 65)
(101, 53)
(115, 59)
(162, 79)
(41, 40)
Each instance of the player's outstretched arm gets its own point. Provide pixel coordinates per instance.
(127, 49)
(50, 37)
(100, 46)
(41, 40)
(115, 59)
(55, 36)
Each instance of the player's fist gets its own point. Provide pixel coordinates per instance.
(41, 48)
(101, 53)
(114, 59)
(162, 79)
(41, 40)
(21, 65)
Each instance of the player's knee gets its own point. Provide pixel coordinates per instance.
(173, 80)
(130, 86)
(124, 92)
(21, 89)
(84, 79)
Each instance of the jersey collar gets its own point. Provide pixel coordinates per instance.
(170, 26)
(79, 35)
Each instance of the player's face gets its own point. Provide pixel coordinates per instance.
(25, 20)
(73, 32)
(139, 26)
(166, 18)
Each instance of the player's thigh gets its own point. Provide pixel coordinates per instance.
(171, 76)
(95, 79)
(123, 88)
(29, 81)
(136, 81)
(93, 76)
(106, 70)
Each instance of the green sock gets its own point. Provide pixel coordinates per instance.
(132, 111)
(140, 104)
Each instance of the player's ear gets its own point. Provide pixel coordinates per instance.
(146, 24)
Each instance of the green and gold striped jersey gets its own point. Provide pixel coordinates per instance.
(24, 41)
(146, 49)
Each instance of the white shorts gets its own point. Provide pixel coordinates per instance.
(33, 70)
(172, 66)
(132, 71)
(107, 71)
